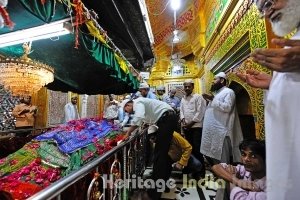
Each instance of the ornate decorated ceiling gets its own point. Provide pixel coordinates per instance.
(162, 22)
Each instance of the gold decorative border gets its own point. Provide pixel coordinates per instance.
(256, 96)
(224, 36)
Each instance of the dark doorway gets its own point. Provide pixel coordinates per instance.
(244, 108)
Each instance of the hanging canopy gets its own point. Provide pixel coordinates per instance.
(93, 68)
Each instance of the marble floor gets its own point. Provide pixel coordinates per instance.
(188, 188)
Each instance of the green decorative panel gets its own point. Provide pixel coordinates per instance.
(257, 32)
(215, 17)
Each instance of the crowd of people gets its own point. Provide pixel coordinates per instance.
(261, 176)
(209, 128)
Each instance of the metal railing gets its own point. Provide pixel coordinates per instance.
(55, 189)
(22, 130)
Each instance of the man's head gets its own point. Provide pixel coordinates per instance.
(219, 81)
(74, 100)
(172, 92)
(284, 15)
(188, 86)
(111, 97)
(253, 155)
(152, 133)
(160, 89)
(144, 89)
(26, 100)
(127, 105)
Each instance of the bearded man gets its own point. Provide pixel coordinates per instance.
(71, 110)
(281, 102)
(221, 133)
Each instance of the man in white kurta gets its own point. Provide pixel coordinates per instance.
(71, 110)
(111, 108)
(221, 133)
(152, 111)
(161, 94)
(282, 120)
(192, 109)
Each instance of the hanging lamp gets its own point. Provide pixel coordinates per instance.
(24, 76)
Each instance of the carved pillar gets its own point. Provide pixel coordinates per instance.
(40, 99)
(84, 100)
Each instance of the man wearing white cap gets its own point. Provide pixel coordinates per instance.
(175, 101)
(192, 109)
(123, 117)
(162, 95)
(152, 111)
(71, 110)
(144, 89)
(282, 97)
(221, 127)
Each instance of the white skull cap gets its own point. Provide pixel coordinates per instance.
(173, 89)
(160, 87)
(152, 129)
(124, 102)
(189, 81)
(221, 75)
(143, 85)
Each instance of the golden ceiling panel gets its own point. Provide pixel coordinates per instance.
(159, 12)
(162, 23)
(182, 21)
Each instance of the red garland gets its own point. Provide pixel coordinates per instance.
(6, 18)
(78, 19)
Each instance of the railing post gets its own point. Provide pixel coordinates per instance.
(125, 193)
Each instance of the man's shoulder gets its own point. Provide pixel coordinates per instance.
(198, 96)
(19, 106)
(176, 138)
(227, 90)
(68, 104)
(176, 135)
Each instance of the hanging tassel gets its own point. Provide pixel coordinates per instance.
(43, 2)
(6, 18)
(78, 19)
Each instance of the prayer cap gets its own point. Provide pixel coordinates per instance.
(189, 81)
(221, 75)
(160, 87)
(143, 85)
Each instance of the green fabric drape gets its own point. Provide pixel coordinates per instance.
(91, 69)
(45, 11)
(105, 56)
